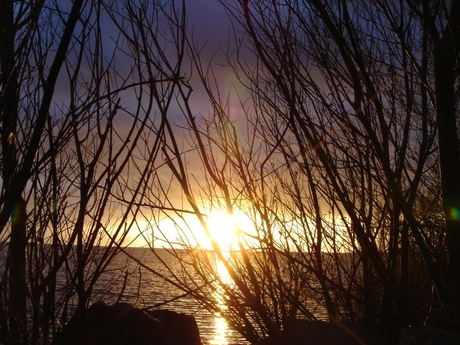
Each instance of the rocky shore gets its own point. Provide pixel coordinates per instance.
(302, 332)
(123, 324)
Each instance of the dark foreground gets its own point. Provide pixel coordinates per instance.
(122, 324)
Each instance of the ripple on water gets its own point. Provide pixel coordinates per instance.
(146, 290)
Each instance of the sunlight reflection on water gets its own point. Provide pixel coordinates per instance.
(220, 334)
(146, 289)
(220, 324)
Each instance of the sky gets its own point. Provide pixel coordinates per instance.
(210, 27)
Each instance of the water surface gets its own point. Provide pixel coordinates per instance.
(147, 290)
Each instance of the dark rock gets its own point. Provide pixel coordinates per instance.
(303, 332)
(123, 323)
(428, 336)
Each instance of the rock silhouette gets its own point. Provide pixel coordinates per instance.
(123, 323)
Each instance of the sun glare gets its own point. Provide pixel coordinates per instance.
(222, 230)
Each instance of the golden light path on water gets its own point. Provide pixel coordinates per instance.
(220, 324)
(224, 230)
(221, 330)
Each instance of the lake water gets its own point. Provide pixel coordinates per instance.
(146, 289)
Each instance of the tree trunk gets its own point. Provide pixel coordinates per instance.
(17, 277)
(446, 64)
(17, 312)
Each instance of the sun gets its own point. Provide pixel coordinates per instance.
(223, 230)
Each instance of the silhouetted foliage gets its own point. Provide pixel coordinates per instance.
(85, 89)
(344, 161)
